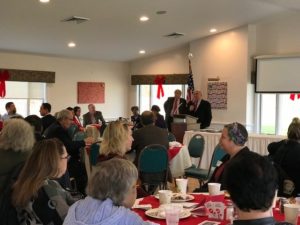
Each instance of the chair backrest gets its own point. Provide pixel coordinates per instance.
(218, 154)
(196, 146)
(153, 167)
(94, 153)
(79, 136)
(171, 137)
(72, 130)
(153, 159)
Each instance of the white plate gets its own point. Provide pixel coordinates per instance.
(182, 198)
(186, 199)
(156, 213)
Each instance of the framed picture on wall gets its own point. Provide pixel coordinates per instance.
(90, 92)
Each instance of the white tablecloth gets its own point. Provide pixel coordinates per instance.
(256, 142)
(180, 162)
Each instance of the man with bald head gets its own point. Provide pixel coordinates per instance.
(148, 134)
(201, 109)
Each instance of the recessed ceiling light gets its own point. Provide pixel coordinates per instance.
(144, 18)
(142, 51)
(71, 44)
(44, 1)
(213, 30)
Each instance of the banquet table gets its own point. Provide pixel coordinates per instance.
(256, 142)
(180, 161)
(192, 219)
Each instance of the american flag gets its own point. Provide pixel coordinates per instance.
(190, 83)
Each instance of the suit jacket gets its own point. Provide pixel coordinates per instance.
(168, 106)
(47, 121)
(55, 130)
(203, 113)
(98, 117)
(146, 136)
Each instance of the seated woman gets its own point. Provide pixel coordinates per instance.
(111, 193)
(159, 119)
(286, 154)
(117, 140)
(16, 142)
(233, 139)
(34, 188)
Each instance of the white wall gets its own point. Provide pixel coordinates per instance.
(279, 35)
(63, 92)
(225, 56)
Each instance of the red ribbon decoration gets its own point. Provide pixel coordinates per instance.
(159, 80)
(293, 95)
(4, 75)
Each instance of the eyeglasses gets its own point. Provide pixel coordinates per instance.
(66, 157)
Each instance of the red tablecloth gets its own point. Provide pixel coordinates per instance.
(173, 152)
(190, 220)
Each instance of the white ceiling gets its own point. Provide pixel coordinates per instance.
(114, 31)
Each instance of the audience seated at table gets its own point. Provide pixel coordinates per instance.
(117, 140)
(59, 130)
(251, 181)
(76, 118)
(148, 134)
(286, 154)
(136, 118)
(94, 117)
(35, 187)
(111, 193)
(16, 142)
(232, 140)
(159, 119)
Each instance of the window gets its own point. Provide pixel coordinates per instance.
(277, 112)
(26, 96)
(147, 96)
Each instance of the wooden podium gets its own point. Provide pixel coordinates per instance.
(182, 123)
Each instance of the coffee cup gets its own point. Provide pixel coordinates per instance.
(291, 212)
(181, 185)
(214, 188)
(165, 196)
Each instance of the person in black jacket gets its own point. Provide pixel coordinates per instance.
(47, 118)
(251, 181)
(174, 106)
(59, 130)
(201, 109)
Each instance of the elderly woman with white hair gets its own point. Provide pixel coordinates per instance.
(16, 142)
(111, 193)
(232, 141)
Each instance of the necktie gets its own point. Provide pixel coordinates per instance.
(175, 105)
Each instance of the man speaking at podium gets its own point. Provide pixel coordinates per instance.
(174, 106)
(201, 109)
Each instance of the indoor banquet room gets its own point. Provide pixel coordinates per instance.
(149, 112)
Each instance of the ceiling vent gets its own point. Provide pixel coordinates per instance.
(174, 35)
(77, 19)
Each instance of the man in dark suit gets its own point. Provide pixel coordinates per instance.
(173, 106)
(59, 130)
(47, 118)
(148, 134)
(201, 109)
(94, 117)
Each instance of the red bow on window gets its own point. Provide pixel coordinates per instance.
(160, 80)
(292, 96)
(4, 75)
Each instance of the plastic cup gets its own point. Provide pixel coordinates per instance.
(182, 185)
(214, 188)
(172, 214)
(297, 201)
(164, 196)
(291, 212)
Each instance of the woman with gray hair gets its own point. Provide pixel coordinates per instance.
(232, 141)
(111, 193)
(16, 142)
